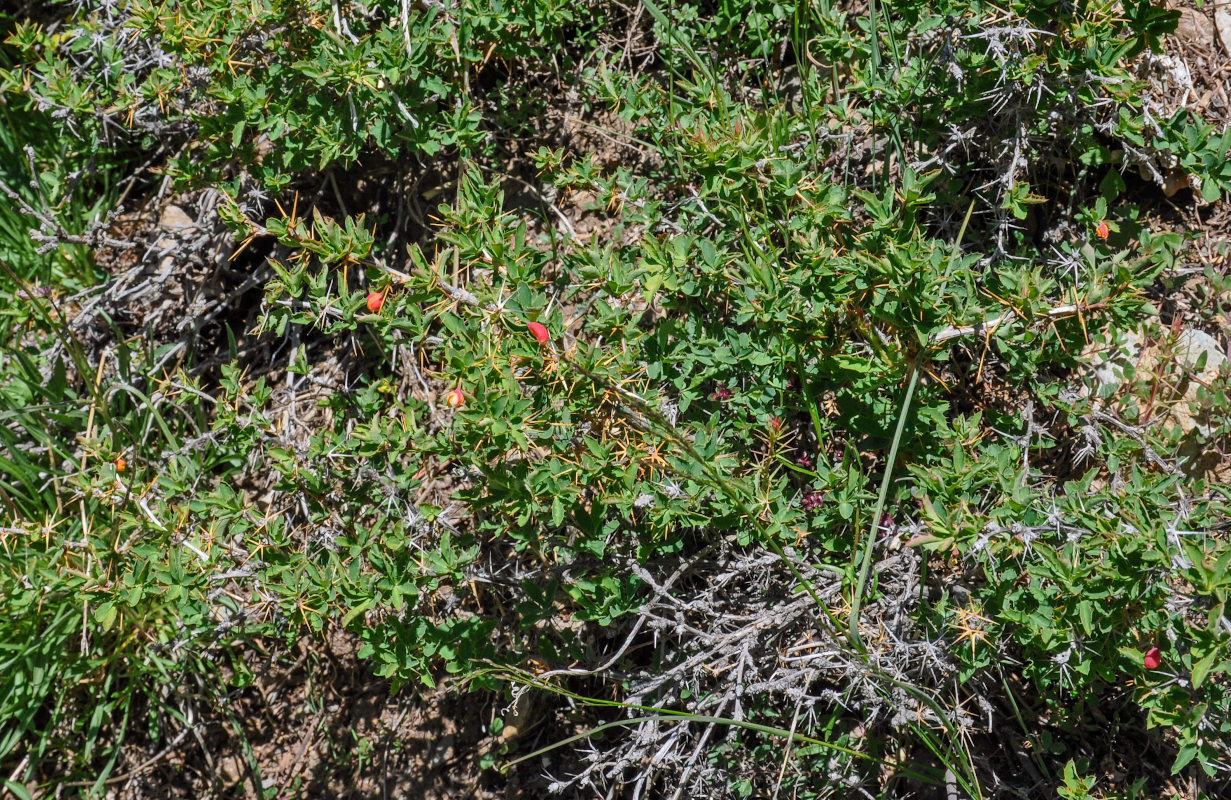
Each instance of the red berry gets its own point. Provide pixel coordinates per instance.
(1103, 230)
(375, 301)
(455, 398)
(539, 331)
(1154, 657)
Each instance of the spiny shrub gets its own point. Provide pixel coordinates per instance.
(832, 313)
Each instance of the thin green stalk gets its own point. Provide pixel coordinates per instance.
(667, 715)
(866, 560)
(250, 760)
(1035, 749)
(671, 715)
(661, 714)
(874, 32)
(912, 381)
(109, 767)
(700, 64)
(813, 411)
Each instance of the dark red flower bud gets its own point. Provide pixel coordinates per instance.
(813, 500)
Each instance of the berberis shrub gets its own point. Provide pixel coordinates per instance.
(728, 360)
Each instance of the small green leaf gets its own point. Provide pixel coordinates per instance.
(1211, 191)
(17, 790)
(1202, 668)
(356, 611)
(1184, 757)
(105, 614)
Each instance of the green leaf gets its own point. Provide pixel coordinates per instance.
(1112, 185)
(1185, 756)
(1211, 190)
(18, 790)
(1202, 668)
(105, 614)
(356, 611)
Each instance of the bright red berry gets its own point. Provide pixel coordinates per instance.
(1154, 657)
(1103, 230)
(375, 301)
(539, 331)
(455, 398)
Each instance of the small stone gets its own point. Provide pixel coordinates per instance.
(1190, 347)
(1178, 396)
(1192, 344)
(1194, 26)
(1222, 21)
(176, 218)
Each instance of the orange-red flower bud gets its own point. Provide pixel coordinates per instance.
(539, 331)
